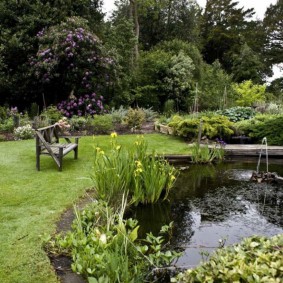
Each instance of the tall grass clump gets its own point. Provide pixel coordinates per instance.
(146, 178)
(204, 154)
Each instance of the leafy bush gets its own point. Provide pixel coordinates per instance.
(7, 125)
(51, 114)
(105, 247)
(269, 126)
(131, 170)
(211, 126)
(102, 124)
(236, 114)
(274, 108)
(169, 107)
(150, 114)
(3, 113)
(78, 123)
(256, 259)
(135, 118)
(34, 110)
(71, 57)
(248, 94)
(118, 115)
(24, 132)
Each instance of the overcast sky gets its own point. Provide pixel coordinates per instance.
(259, 5)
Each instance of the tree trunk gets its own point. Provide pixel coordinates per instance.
(134, 16)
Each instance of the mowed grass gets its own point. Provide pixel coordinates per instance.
(31, 202)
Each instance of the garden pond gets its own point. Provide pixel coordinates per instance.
(216, 205)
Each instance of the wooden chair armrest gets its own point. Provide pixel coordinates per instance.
(58, 145)
(70, 137)
(67, 138)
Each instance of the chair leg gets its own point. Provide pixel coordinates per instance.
(76, 153)
(60, 157)
(38, 162)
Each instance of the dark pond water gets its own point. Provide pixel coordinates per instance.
(215, 203)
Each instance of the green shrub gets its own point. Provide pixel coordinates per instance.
(51, 114)
(3, 113)
(273, 108)
(237, 113)
(7, 125)
(249, 94)
(169, 107)
(269, 126)
(24, 119)
(150, 114)
(118, 115)
(34, 110)
(211, 126)
(255, 259)
(78, 123)
(135, 118)
(102, 124)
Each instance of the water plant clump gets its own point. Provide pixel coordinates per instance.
(204, 154)
(146, 178)
(105, 247)
(255, 259)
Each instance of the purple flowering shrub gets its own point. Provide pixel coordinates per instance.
(82, 106)
(71, 57)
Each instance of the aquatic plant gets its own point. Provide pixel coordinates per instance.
(105, 246)
(255, 259)
(146, 178)
(205, 154)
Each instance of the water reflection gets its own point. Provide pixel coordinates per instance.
(210, 203)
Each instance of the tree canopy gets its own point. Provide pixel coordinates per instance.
(146, 53)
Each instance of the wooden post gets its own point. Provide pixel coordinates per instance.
(199, 131)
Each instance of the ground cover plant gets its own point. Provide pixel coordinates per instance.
(255, 259)
(32, 202)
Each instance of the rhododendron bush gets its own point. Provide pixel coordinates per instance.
(71, 60)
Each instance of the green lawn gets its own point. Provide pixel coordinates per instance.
(31, 202)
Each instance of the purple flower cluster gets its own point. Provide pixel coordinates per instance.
(82, 106)
(44, 64)
(40, 33)
(220, 142)
(72, 55)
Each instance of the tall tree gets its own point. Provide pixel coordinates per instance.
(273, 23)
(247, 66)
(222, 29)
(160, 20)
(170, 19)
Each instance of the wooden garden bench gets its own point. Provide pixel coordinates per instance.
(47, 143)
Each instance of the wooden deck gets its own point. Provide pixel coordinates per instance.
(247, 151)
(252, 150)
